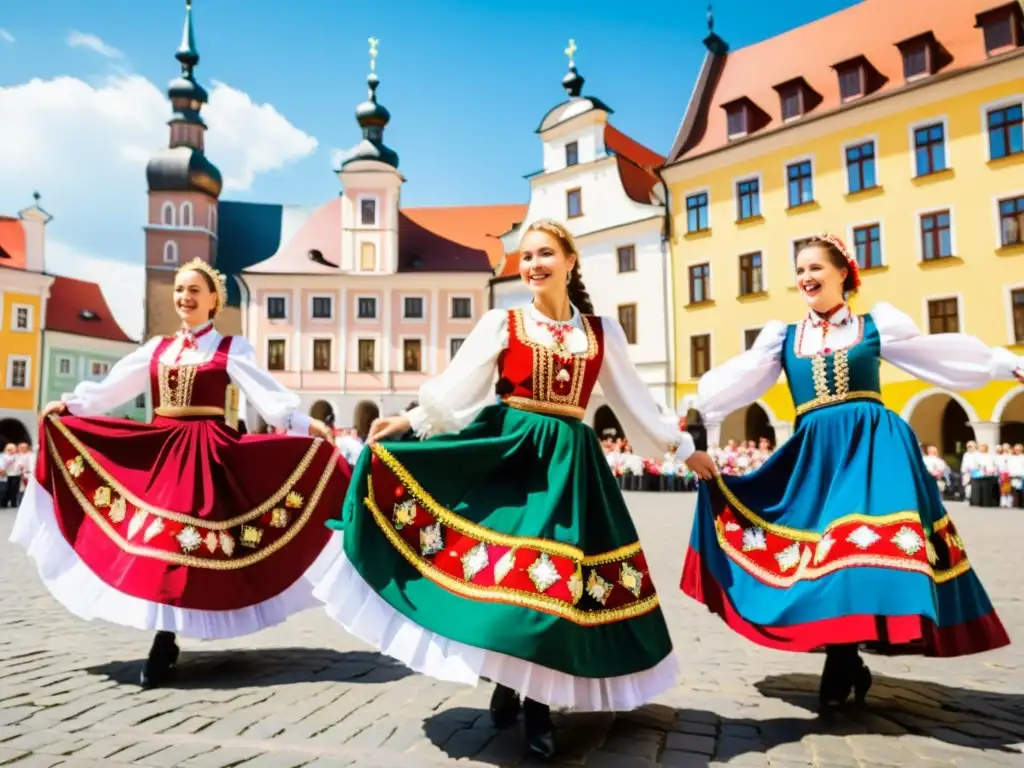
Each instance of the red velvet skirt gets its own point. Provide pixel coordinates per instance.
(188, 513)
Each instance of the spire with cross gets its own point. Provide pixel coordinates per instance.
(573, 80)
(374, 42)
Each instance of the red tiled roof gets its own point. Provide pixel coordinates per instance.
(871, 29)
(475, 226)
(70, 304)
(508, 267)
(12, 243)
(636, 163)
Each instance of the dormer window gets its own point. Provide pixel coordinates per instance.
(918, 56)
(796, 98)
(88, 314)
(857, 78)
(572, 153)
(1002, 28)
(738, 118)
(792, 103)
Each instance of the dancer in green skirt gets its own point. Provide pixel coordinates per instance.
(499, 546)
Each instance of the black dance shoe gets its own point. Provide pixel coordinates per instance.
(163, 655)
(505, 706)
(861, 682)
(540, 738)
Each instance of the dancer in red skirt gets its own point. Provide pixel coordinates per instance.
(183, 525)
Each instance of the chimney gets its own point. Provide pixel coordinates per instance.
(34, 220)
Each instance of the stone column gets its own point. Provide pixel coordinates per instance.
(986, 432)
(783, 431)
(714, 433)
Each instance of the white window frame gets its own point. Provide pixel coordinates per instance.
(98, 376)
(743, 334)
(285, 337)
(71, 366)
(27, 360)
(30, 315)
(912, 147)
(376, 308)
(925, 319)
(686, 211)
(287, 307)
(330, 318)
(852, 245)
(785, 180)
(378, 345)
(565, 154)
(312, 351)
(711, 279)
(952, 231)
(997, 219)
(689, 347)
(451, 308)
(1009, 101)
(188, 220)
(448, 345)
(759, 177)
(424, 352)
(422, 297)
(873, 139)
(211, 219)
(168, 206)
(171, 253)
(1008, 307)
(376, 211)
(636, 258)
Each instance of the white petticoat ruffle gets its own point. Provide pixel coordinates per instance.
(350, 601)
(87, 596)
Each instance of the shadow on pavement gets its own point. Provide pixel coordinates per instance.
(225, 669)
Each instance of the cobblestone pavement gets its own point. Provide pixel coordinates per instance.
(307, 694)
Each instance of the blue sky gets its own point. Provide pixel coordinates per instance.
(466, 83)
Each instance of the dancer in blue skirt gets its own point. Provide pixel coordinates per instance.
(840, 540)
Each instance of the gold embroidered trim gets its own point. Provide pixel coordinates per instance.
(501, 594)
(799, 338)
(806, 572)
(221, 525)
(524, 338)
(822, 401)
(188, 560)
(467, 528)
(797, 534)
(184, 411)
(544, 407)
(179, 395)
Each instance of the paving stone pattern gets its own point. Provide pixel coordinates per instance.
(307, 694)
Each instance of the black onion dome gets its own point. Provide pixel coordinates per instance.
(183, 169)
(372, 118)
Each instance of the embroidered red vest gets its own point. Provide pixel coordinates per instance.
(197, 389)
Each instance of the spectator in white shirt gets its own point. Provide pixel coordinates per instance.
(10, 468)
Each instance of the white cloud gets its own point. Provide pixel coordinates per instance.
(78, 39)
(6, 36)
(85, 146)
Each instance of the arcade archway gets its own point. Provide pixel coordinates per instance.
(323, 411)
(13, 431)
(606, 424)
(750, 423)
(1009, 413)
(941, 419)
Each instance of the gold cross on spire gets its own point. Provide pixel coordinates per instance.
(571, 52)
(374, 42)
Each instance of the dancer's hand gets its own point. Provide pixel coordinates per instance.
(702, 464)
(318, 429)
(392, 425)
(1019, 373)
(56, 407)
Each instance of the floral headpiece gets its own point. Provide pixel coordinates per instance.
(218, 279)
(851, 260)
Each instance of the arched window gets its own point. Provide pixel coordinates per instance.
(186, 214)
(212, 225)
(170, 252)
(367, 257)
(167, 214)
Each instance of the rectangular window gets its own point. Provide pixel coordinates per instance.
(851, 83)
(801, 186)
(411, 350)
(64, 366)
(915, 60)
(751, 274)
(736, 118)
(798, 245)
(626, 257)
(791, 103)
(749, 337)
(627, 319)
(368, 212)
(1006, 131)
(21, 318)
(943, 316)
(276, 354)
(276, 308)
(454, 345)
(860, 167)
(999, 30)
(697, 212)
(574, 203)
(700, 355)
(321, 354)
(367, 355)
(1011, 221)
(936, 236)
(1017, 297)
(868, 242)
(366, 308)
(930, 149)
(748, 204)
(322, 309)
(700, 283)
(17, 374)
(98, 370)
(413, 308)
(462, 307)
(367, 257)
(572, 153)
(140, 401)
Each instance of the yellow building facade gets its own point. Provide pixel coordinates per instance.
(925, 179)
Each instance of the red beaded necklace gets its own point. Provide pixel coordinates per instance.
(190, 340)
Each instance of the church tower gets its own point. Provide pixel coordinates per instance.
(183, 190)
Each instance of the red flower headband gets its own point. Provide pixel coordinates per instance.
(851, 260)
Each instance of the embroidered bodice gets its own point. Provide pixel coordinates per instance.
(831, 376)
(193, 388)
(553, 380)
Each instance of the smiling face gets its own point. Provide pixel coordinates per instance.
(819, 278)
(543, 264)
(194, 298)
